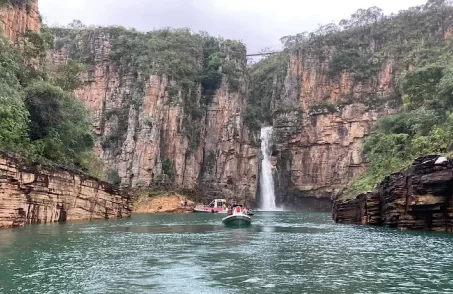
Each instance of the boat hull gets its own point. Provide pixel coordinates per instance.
(204, 210)
(237, 220)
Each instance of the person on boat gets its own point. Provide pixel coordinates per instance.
(245, 210)
(230, 210)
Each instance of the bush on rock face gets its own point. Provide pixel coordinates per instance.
(39, 120)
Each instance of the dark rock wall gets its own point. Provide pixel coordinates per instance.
(419, 198)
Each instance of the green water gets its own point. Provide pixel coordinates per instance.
(194, 253)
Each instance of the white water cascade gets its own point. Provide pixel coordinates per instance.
(266, 180)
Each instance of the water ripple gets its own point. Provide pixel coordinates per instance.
(279, 253)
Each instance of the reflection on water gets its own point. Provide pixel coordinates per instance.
(194, 253)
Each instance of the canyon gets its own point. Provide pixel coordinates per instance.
(320, 114)
(152, 133)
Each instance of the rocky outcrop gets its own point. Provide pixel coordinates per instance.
(164, 204)
(31, 196)
(319, 136)
(420, 198)
(222, 163)
(17, 18)
(338, 84)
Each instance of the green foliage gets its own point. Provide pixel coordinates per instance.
(420, 85)
(359, 45)
(425, 127)
(67, 75)
(16, 3)
(13, 115)
(351, 60)
(59, 124)
(323, 107)
(113, 178)
(211, 160)
(266, 83)
(40, 121)
(167, 168)
(195, 65)
(253, 117)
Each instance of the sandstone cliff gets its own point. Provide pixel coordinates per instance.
(31, 196)
(338, 83)
(17, 18)
(318, 143)
(217, 158)
(419, 198)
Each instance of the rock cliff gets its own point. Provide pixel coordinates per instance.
(156, 128)
(419, 198)
(18, 17)
(319, 140)
(218, 157)
(339, 82)
(31, 196)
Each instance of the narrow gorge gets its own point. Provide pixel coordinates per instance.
(179, 111)
(322, 95)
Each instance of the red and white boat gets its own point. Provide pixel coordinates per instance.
(216, 206)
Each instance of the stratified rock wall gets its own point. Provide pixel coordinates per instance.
(224, 163)
(420, 198)
(30, 196)
(319, 143)
(16, 19)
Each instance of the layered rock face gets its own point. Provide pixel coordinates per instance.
(16, 19)
(420, 198)
(224, 163)
(29, 196)
(340, 81)
(319, 143)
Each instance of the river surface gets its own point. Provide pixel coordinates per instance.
(194, 253)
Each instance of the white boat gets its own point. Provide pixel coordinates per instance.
(216, 206)
(238, 218)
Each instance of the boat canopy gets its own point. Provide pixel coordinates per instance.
(217, 202)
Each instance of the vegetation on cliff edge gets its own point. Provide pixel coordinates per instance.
(425, 126)
(40, 118)
(360, 46)
(195, 65)
(419, 38)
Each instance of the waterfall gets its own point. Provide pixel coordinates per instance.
(266, 180)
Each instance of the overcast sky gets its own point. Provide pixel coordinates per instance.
(258, 23)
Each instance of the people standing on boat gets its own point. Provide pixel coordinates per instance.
(230, 210)
(245, 210)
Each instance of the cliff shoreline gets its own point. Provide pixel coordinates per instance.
(32, 196)
(419, 198)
